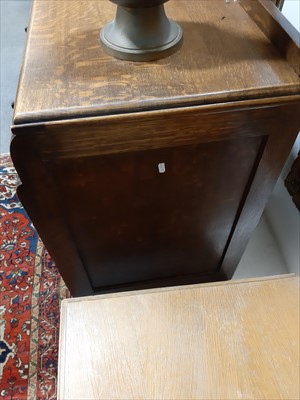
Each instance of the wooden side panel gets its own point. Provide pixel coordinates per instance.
(284, 131)
(39, 196)
(159, 214)
(94, 192)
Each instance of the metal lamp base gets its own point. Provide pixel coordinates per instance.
(141, 33)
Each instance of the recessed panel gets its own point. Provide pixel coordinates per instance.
(156, 214)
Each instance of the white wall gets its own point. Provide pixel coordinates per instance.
(291, 10)
(282, 214)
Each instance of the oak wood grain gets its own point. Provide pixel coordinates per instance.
(77, 165)
(264, 180)
(90, 131)
(277, 29)
(237, 61)
(157, 129)
(237, 340)
(43, 204)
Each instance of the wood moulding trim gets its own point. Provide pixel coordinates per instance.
(150, 130)
(250, 97)
(19, 129)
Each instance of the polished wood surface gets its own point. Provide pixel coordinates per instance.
(66, 74)
(277, 29)
(84, 137)
(93, 206)
(137, 227)
(90, 132)
(233, 340)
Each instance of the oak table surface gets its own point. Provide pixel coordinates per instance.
(233, 340)
(66, 73)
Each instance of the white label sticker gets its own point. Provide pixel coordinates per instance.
(161, 168)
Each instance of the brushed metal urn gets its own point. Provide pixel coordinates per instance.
(141, 31)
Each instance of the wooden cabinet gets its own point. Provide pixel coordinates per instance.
(140, 175)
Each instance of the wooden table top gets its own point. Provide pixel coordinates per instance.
(229, 340)
(66, 73)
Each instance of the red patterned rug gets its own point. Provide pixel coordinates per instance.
(31, 290)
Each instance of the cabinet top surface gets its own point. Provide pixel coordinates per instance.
(67, 74)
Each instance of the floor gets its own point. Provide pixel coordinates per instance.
(262, 256)
(14, 18)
